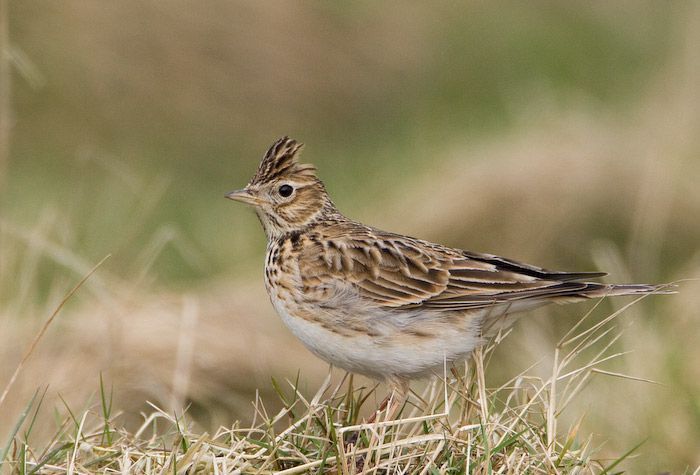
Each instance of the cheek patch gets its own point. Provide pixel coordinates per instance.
(301, 207)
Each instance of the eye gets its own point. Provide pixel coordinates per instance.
(286, 190)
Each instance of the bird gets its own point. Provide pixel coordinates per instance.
(384, 305)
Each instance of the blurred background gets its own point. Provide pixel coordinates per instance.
(560, 133)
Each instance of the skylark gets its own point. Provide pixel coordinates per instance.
(385, 305)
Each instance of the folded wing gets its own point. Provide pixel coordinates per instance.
(398, 272)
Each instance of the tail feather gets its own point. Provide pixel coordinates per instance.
(629, 289)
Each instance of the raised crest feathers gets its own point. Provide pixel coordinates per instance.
(281, 159)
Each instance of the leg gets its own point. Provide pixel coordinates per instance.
(391, 404)
(394, 400)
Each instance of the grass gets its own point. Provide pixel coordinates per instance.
(454, 424)
(132, 332)
(571, 145)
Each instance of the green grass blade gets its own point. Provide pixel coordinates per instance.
(17, 427)
(106, 411)
(608, 469)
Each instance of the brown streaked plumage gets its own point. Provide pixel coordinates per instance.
(382, 304)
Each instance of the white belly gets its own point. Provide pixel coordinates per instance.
(396, 350)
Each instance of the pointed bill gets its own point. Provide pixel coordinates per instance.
(244, 196)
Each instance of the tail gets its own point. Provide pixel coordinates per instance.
(611, 290)
(563, 293)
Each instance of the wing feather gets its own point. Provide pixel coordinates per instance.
(400, 272)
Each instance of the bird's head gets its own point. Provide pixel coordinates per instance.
(287, 195)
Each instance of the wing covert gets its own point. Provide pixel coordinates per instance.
(399, 272)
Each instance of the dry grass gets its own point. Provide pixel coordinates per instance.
(142, 338)
(456, 424)
(574, 184)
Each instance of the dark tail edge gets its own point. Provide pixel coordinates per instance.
(569, 276)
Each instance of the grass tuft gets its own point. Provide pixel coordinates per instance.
(454, 424)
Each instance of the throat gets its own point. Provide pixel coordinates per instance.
(277, 226)
(270, 225)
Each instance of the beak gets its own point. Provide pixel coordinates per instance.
(244, 196)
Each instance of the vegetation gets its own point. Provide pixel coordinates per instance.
(456, 424)
(560, 134)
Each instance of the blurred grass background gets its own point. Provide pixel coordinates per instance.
(565, 134)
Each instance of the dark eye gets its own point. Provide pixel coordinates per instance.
(286, 190)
